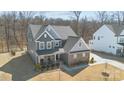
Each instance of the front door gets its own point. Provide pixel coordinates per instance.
(41, 61)
(57, 56)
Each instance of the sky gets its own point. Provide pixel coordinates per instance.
(67, 15)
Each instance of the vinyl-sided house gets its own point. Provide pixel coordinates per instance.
(48, 43)
(109, 38)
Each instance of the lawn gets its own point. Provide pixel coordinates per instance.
(90, 73)
(21, 68)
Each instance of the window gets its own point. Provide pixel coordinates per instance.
(83, 54)
(57, 43)
(45, 35)
(94, 37)
(75, 56)
(113, 47)
(110, 46)
(41, 45)
(49, 45)
(98, 38)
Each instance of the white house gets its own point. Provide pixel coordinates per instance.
(109, 38)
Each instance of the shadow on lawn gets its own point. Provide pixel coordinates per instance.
(21, 68)
(72, 71)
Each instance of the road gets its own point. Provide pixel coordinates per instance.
(112, 60)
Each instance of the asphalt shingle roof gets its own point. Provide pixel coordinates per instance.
(64, 31)
(117, 29)
(71, 41)
(34, 29)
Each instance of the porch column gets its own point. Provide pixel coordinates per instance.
(38, 60)
(55, 57)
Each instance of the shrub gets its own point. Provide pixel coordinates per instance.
(37, 67)
(13, 53)
(92, 60)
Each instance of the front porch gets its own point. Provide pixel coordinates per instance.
(49, 61)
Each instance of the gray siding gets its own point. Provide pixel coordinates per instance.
(42, 38)
(31, 42)
(31, 46)
(33, 57)
(45, 40)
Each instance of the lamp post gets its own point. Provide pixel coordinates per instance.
(104, 73)
(59, 71)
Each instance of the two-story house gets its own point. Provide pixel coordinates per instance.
(48, 43)
(109, 38)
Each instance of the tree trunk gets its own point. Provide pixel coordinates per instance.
(7, 39)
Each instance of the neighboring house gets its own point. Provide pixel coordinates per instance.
(109, 38)
(48, 43)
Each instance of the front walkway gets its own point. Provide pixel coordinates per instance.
(104, 59)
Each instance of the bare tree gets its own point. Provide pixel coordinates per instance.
(84, 26)
(122, 14)
(118, 15)
(112, 17)
(77, 17)
(14, 25)
(41, 17)
(6, 24)
(102, 16)
(25, 18)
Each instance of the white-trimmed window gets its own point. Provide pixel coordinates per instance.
(98, 37)
(75, 56)
(94, 37)
(49, 45)
(83, 54)
(41, 45)
(57, 43)
(109, 46)
(45, 35)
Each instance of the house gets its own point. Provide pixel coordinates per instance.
(109, 39)
(49, 43)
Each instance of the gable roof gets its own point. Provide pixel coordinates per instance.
(62, 31)
(71, 41)
(41, 30)
(34, 29)
(53, 32)
(115, 28)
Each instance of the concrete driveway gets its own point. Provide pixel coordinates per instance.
(110, 59)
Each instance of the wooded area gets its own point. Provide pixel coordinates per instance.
(14, 24)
